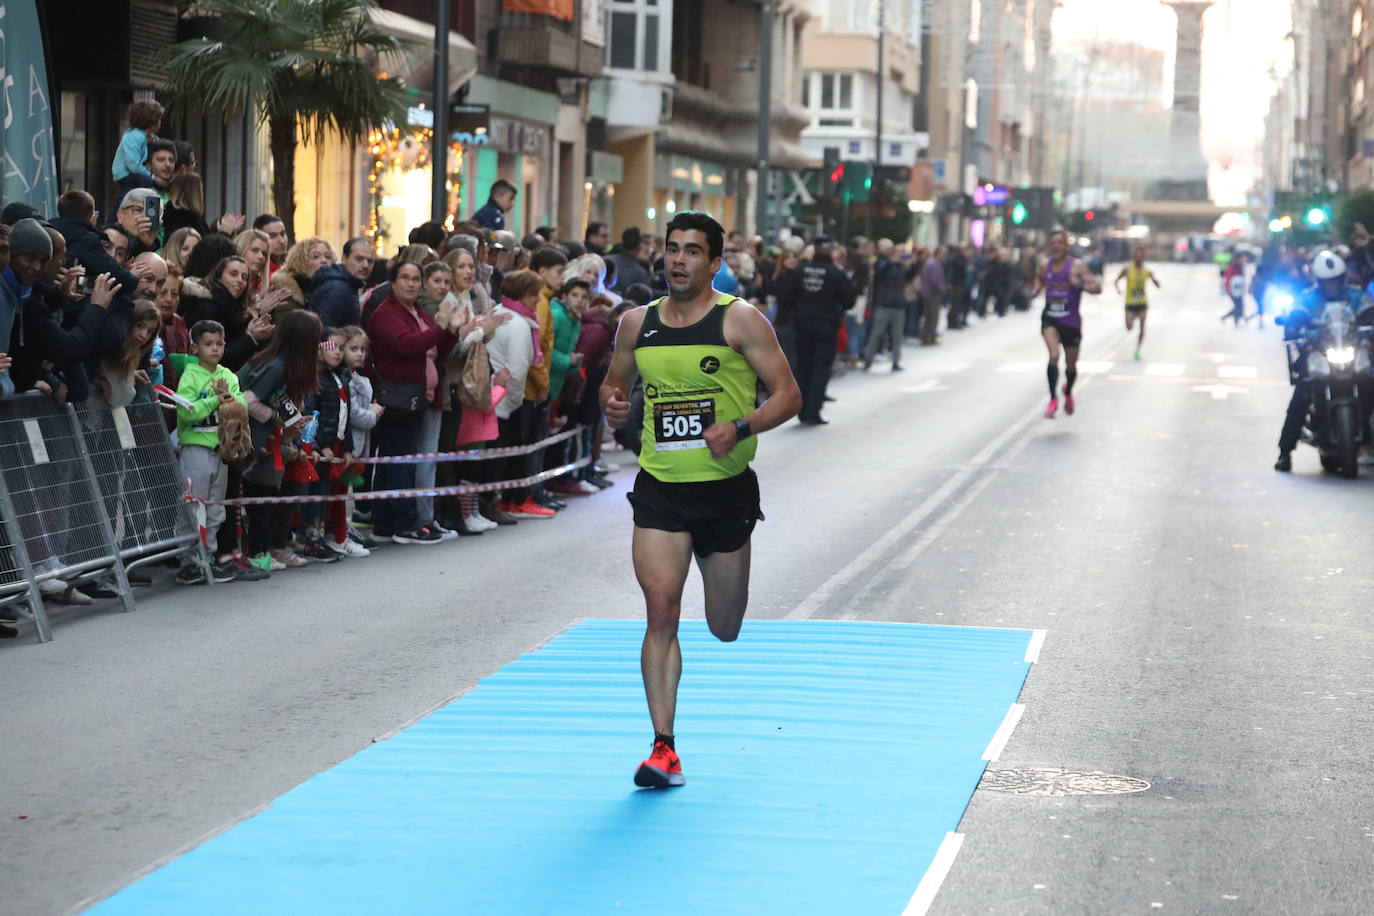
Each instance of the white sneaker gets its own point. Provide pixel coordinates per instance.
(587, 487)
(351, 548)
(479, 522)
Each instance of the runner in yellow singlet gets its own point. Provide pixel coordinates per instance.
(700, 353)
(1137, 277)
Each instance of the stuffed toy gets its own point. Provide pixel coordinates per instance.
(235, 436)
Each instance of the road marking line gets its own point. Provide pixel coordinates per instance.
(870, 556)
(1189, 380)
(1165, 369)
(1036, 643)
(901, 531)
(1003, 734)
(1095, 366)
(1237, 372)
(930, 384)
(935, 875)
(1221, 392)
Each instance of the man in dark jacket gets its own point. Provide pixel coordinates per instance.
(630, 258)
(822, 293)
(76, 222)
(335, 288)
(890, 279)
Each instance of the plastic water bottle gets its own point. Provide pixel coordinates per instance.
(159, 356)
(311, 427)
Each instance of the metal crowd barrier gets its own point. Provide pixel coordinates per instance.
(89, 493)
(86, 495)
(53, 521)
(139, 476)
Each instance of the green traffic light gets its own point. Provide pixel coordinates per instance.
(1018, 213)
(1315, 217)
(868, 182)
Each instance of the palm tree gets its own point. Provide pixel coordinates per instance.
(304, 64)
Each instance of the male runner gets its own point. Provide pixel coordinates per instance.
(1137, 277)
(700, 353)
(1064, 281)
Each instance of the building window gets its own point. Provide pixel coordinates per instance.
(634, 34)
(830, 98)
(854, 147)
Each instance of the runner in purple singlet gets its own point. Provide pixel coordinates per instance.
(1063, 281)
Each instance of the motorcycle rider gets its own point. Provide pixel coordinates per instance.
(1328, 274)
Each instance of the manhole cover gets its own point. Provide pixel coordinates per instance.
(1055, 782)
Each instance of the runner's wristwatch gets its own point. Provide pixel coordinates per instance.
(742, 430)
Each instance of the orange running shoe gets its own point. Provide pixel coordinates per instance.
(662, 770)
(531, 509)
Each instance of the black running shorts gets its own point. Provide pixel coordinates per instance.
(719, 514)
(1137, 309)
(1069, 335)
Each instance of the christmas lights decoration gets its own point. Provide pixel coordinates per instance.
(394, 148)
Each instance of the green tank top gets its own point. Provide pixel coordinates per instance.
(692, 379)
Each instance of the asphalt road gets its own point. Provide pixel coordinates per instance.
(1206, 621)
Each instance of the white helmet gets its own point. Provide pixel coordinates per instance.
(1327, 265)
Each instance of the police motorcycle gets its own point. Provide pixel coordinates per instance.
(1329, 348)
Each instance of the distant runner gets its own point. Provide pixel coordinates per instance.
(1063, 281)
(701, 353)
(1137, 277)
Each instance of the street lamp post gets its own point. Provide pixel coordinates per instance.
(878, 126)
(761, 190)
(439, 154)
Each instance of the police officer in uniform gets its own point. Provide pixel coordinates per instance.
(823, 294)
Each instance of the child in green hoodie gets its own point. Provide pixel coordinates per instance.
(198, 432)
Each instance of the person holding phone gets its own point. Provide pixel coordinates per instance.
(135, 217)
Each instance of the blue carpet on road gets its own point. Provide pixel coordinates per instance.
(825, 762)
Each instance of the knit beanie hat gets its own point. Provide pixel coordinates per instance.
(29, 237)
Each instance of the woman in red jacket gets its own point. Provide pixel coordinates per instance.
(407, 348)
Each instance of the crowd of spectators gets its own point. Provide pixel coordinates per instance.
(465, 338)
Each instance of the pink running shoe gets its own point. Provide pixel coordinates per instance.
(1068, 402)
(1052, 409)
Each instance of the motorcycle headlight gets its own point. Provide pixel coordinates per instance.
(1317, 366)
(1340, 356)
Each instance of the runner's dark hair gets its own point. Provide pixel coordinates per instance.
(701, 222)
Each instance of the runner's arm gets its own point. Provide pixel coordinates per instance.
(1088, 281)
(620, 377)
(1119, 277)
(751, 334)
(1158, 285)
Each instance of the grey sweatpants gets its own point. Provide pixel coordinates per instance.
(209, 479)
(886, 320)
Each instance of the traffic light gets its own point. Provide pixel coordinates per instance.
(1317, 217)
(1032, 208)
(1089, 215)
(832, 173)
(857, 180)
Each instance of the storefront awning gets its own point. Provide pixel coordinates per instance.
(416, 64)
